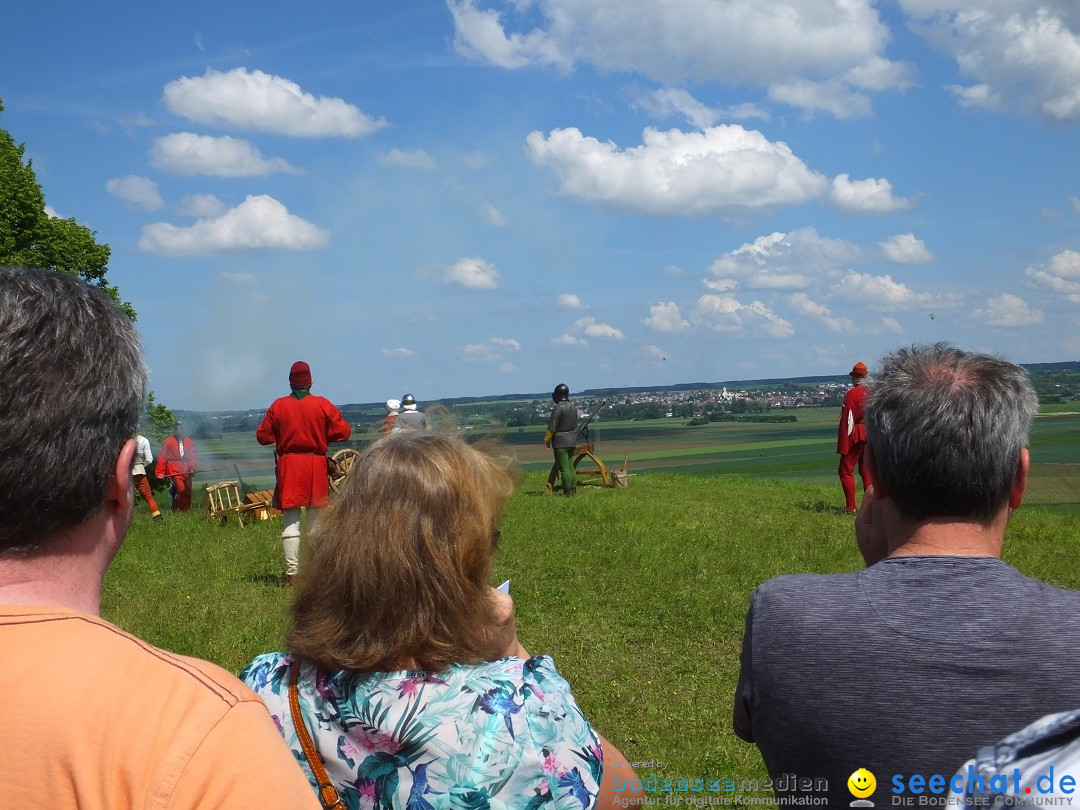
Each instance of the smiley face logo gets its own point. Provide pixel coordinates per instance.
(861, 783)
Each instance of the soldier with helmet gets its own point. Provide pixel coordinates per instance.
(562, 436)
(410, 418)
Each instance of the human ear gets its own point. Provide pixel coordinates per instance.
(1016, 494)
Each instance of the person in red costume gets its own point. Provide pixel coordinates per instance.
(178, 462)
(851, 438)
(301, 426)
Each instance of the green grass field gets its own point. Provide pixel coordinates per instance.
(639, 594)
(802, 451)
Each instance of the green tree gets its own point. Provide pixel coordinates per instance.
(161, 420)
(30, 237)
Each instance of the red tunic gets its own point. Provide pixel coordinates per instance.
(170, 463)
(302, 430)
(852, 431)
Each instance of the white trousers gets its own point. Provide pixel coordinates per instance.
(290, 540)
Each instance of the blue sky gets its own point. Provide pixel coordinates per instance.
(491, 196)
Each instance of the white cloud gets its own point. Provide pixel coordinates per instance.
(188, 153)
(881, 74)
(1020, 54)
(490, 351)
(416, 159)
(888, 326)
(672, 270)
(1061, 275)
(717, 312)
(475, 161)
(569, 340)
(139, 190)
(725, 313)
(721, 285)
(735, 41)
(569, 301)
(668, 101)
(665, 317)
(476, 352)
(253, 100)
(400, 351)
(507, 367)
(51, 212)
(654, 353)
(871, 195)
(1008, 311)
(678, 173)
(782, 261)
(474, 274)
(492, 215)
(880, 292)
(834, 97)
(976, 95)
(201, 205)
(773, 325)
(240, 278)
(1074, 201)
(905, 248)
(807, 306)
(590, 327)
(258, 223)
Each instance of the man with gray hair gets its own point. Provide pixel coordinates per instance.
(938, 646)
(92, 716)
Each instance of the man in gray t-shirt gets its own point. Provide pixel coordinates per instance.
(937, 647)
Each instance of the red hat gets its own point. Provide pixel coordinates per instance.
(859, 370)
(300, 375)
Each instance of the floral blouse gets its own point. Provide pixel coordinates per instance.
(505, 734)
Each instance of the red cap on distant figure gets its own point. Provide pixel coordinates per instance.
(300, 375)
(859, 369)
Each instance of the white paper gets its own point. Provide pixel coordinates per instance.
(505, 587)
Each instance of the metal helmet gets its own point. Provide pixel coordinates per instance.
(561, 393)
(408, 399)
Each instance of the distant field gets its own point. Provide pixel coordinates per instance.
(802, 451)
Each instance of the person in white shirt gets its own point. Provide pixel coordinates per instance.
(142, 459)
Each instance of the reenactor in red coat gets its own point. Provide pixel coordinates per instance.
(178, 462)
(851, 438)
(301, 426)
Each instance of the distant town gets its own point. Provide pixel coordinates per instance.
(695, 403)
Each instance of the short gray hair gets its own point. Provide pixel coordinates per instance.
(72, 389)
(946, 428)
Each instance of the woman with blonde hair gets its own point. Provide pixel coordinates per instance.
(404, 665)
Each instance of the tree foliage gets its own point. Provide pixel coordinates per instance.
(31, 238)
(160, 420)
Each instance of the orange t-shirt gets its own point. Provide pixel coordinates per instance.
(95, 718)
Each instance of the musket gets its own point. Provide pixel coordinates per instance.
(184, 474)
(240, 479)
(592, 415)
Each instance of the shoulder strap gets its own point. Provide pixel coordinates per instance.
(328, 794)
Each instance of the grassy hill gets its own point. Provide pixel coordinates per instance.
(638, 594)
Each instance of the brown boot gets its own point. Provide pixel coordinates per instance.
(290, 580)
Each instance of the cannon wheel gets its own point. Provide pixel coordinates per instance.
(586, 476)
(345, 458)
